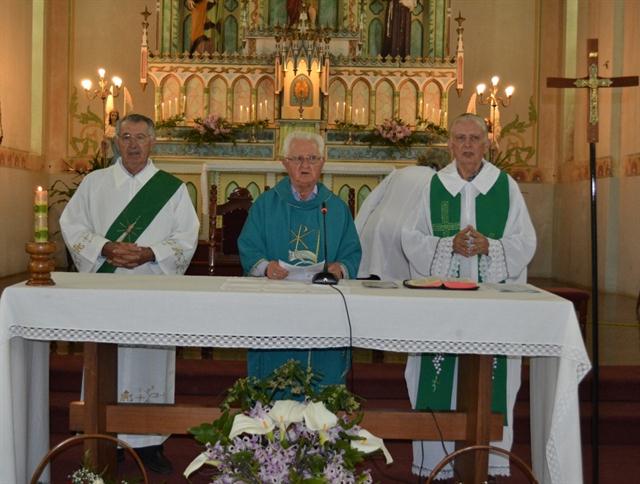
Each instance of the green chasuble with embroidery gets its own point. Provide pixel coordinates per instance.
(437, 370)
(279, 227)
(141, 210)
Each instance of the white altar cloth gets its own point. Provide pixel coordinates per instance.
(257, 313)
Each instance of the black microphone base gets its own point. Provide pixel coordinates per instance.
(325, 277)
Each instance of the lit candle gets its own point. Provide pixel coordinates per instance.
(170, 110)
(241, 113)
(162, 108)
(344, 111)
(253, 110)
(364, 116)
(337, 113)
(184, 104)
(356, 119)
(266, 109)
(260, 110)
(247, 116)
(40, 209)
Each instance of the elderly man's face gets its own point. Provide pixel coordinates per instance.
(135, 145)
(468, 144)
(304, 164)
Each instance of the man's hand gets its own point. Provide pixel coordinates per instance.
(127, 254)
(275, 271)
(469, 242)
(336, 269)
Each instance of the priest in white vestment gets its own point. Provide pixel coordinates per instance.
(132, 218)
(469, 220)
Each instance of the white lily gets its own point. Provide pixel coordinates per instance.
(319, 419)
(370, 443)
(286, 412)
(257, 426)
(198, 462)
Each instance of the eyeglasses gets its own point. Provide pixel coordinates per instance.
(298, 160)
(139, 138)
(474, 139)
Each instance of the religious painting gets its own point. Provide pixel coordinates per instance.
(301, 92)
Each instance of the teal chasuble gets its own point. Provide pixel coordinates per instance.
(437, 370)
(141, 210)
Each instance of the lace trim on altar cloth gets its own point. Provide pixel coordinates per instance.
(299, 341)
(493, 267)
(442, 260)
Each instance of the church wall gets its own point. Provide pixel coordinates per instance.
(20, 167)
(615, 25)
(108, 35)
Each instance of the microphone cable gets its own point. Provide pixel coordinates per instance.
(444, 449)
(350, 385)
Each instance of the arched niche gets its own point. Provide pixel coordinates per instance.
(194, 89)
(170, 97)
(374, 42)
(218, 97)
(230, 32)
(360, 102)
(192, 190)
(254, 190)
(241, 100)
(343, 194)
(432, 97)
(337, 98)
(384, 101)
(229, 189)
(266, 99)
(363, 193)
(407, 110)
(417, 36)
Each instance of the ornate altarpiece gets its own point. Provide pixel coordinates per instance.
(322, 73)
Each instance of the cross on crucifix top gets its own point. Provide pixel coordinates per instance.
(593, 83)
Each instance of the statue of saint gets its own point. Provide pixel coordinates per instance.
(396, 40)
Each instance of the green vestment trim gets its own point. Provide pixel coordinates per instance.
(437, 370)
(141, 210)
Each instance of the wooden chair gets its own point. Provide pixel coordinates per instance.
(520, 464)
(78, 439)
(223, 241)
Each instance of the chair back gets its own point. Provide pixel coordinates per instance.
(520, 464)
(223, 241)
(78, 439)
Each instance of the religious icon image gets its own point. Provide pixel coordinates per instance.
(301, 92)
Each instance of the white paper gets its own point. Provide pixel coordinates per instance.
(301, 273)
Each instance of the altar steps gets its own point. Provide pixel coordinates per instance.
(382, 385)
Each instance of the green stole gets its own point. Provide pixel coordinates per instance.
(437, 370)
(141, 210)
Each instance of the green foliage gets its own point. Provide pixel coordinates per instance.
(62, 192)
(516, 155)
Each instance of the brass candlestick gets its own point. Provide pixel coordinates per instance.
(41, 264)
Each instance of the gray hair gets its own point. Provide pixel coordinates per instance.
(470, 117)
(302, 135)
(137, 118)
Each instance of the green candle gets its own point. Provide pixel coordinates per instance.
(40, 210)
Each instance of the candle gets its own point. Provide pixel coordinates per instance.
(356, 119)
(175, 100)
(170, 110)
(162, 107)
(184, 105)
(266, 109)
(344, 111)
(260, 110)
(247, 116)
(253, 110)
(241, 113)
(40, 209)
(337, 113)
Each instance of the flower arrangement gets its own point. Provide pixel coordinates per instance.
(172, 122)
(313, 440)
(213, 128)
(394, 132)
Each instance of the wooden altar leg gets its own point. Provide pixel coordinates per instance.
(100, 390)
(474, 398)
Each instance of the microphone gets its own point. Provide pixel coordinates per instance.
(324, 277)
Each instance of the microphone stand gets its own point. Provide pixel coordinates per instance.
(325, 277)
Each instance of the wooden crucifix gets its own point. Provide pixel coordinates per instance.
(593, 82)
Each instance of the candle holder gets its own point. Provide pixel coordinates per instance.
(41, 264)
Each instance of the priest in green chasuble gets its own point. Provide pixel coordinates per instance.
(468, 220)
(132, 218)
(284, 229)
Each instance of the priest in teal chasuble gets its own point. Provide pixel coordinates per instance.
(285, 225)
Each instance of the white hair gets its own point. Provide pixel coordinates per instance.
(302, 135)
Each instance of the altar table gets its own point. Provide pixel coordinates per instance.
(257, 313)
